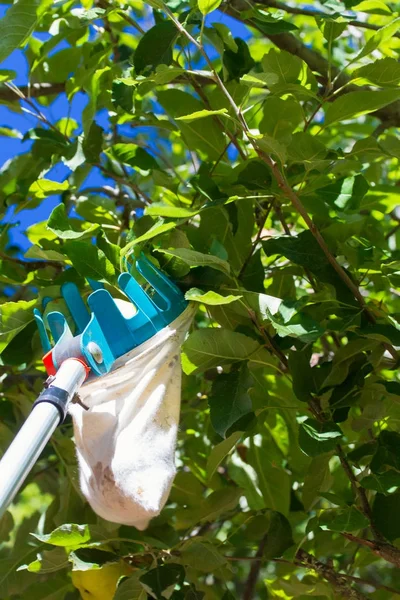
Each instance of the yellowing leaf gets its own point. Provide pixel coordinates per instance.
(201, 114)
(207, 6)
(45, 187)
(211, 298)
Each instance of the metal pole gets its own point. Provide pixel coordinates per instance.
(27, 446)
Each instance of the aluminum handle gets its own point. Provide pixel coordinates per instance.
(34, 434)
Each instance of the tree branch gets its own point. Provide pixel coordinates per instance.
(340, 584)
(35, 90)
(382, 549)
(251, 582)
(298, 10)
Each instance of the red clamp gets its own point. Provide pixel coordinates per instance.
(51, 368)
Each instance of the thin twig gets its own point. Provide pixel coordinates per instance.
(250, 586)
(359, 492)
(257, 239)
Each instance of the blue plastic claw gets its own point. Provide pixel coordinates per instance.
(44, 338)
(172, 301)
(103, 333)
(76, 305)
(58, 326)
(148, 319)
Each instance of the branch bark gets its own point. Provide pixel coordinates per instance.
(340, 584)
(251, 582)
(32, 91)
(382, 549)
(298, 10)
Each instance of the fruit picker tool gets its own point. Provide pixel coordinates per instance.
(103, 332)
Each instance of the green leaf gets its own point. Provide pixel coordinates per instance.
(316, 438)
(283, 68)
(331, 29)
(157, 229)
(169, 211)
(86, 559)
(59, 224)
(318, 479)
(343, 359)
(239, 62)
(273, 480)
(203, 135)
(300, 326)
(343, 520)
(122, 95)
(7, 75)
(388, 452)
(255, 175)
(220, 451)
(67, 536)
(207, 6)
(355, 104)
(49, 561)
(211, 298)
(229, 400)
(45, 187)
(383, 72)
(155, 47)
(346, 193)
(226, 35)
(279, 535)
(307, 149)
(14, 317)
(378, 38)
(131, 589)
(383, 483)
(303, 376)
(198, 259)
(92, 143)
(17, 25)
(38, 253)
(385, 512)
(134, 156)
(245, 476)
(209, 348)
(56, 588)
(201, 114)
(280, 117)
(90, 261)
(271, 146)
(201, 555)
(160, 581)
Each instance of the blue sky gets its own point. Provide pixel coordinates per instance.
(59, 108)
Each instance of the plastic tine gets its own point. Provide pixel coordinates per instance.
(168, 291)
(94, 333)
(58, 326)
(76, 305)
(113, 325)
(95, 285)
(147, 310)
(44, 338)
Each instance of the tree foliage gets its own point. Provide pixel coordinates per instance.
(260, 172)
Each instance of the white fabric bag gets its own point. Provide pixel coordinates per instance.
(126, 439)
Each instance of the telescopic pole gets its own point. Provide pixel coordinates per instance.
(48, 412)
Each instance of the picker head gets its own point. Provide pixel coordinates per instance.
(104, 332)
